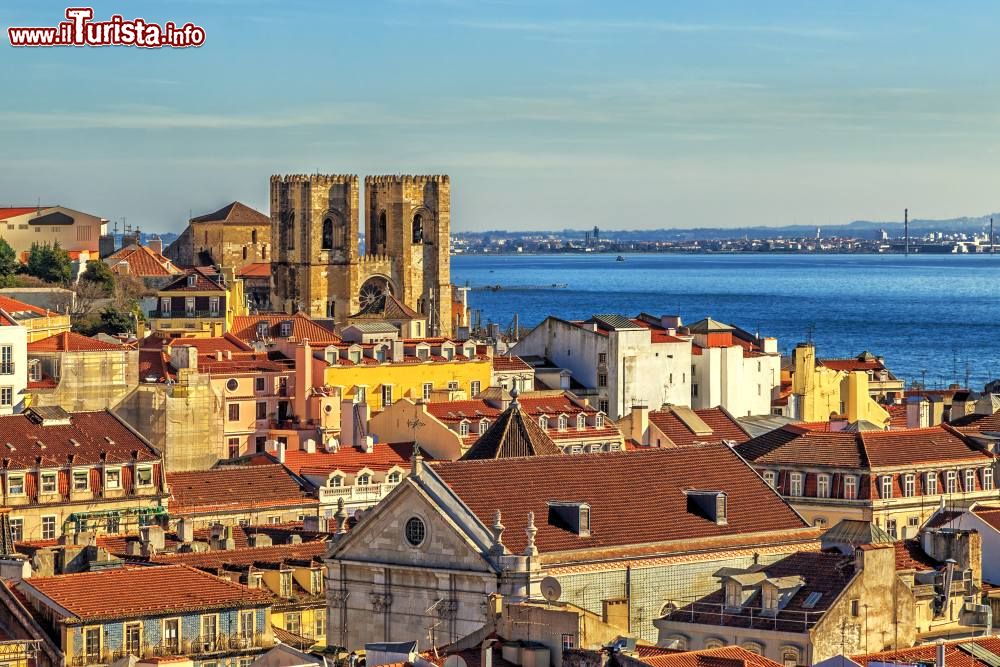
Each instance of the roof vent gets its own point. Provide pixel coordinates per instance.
(709, 504)
(73, 441)
(571, 516)
(11, 447)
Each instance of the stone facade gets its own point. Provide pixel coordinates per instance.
(317, 265)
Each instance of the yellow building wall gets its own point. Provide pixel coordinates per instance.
(43, 327)
(307, 621)
(823, 392)
(407, 380)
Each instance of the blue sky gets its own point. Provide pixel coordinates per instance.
(546, 114)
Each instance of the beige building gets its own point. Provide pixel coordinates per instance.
(895, 479)
(233, 236)
(80, 373)
(318, 267)
(74, 231)
(428, 558)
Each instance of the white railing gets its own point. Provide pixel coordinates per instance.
(368, 493)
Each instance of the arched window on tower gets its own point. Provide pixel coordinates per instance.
(379, 234)
(327, 234)
(418, 228)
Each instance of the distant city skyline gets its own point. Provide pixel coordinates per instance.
(546, 115)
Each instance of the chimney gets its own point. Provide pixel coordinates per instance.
(155, 244)
(640, 423)
(185, 530)
(218, 355)
(183, 356)
(770, 345)
(222, 538)
(258, 540)
(397, 351)
(310, 446)
(670, 322)
(367, 445)
(939, 654)
(917, 412)
(280, 448)
(314, 524)
(152, 539)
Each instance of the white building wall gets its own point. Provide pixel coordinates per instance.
(742, 385)
(17, 338)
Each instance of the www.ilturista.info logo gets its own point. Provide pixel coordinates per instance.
(80, 30)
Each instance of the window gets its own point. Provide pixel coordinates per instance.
(133, 638)
(789, 656)
(484, 424)
(233, 445)
(415, 531)
(602, 380)
(428, 387)
(171, 635)
(335, 481)
(189, 306)
(393, 478)
(386, 395)
(543, 422)
(909, 487)
(7, 360)
(213, 304)
(913, 521)
(81, 480)
(326, 242)
(474, 388)
(144, 476)
(6, 396)
(890, 527)
(165, 305)
(247, 623)
(886, 485)
(234, 412)
(753, 647)
(951, 482)
(15, 485)
(855, 607)
(795, 486)
(769, 597)
(734, 595)
(48, 527)
(319, 619)
(714, 643)
(599, 421)
(463, 428)
(259, 384)
(92, 644)
(34, 370)
(232, 384)
(293, 622)
(16, 528)
(811, 600)
(771, 478)
(261, 410)
(209, 631)
(581, 421)
(970, 480)
(113, 478)
(850, 487)
(363, 479)
(602, 357)
(931, 483)
(260, 443)
(987, 479)
(563, 422)
(274, 520)
(602, 405)
(823, 486)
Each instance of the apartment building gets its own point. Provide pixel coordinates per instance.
(73, 230)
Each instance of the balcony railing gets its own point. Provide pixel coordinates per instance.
(356, 493)
(202, 645)
(180, 314)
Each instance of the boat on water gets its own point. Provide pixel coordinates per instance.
(619, 258)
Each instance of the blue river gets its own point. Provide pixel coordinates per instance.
(934, 318)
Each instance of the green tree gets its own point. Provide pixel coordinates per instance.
(99, 273)
(50, 263)
(8, 259)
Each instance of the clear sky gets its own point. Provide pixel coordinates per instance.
(546, 114)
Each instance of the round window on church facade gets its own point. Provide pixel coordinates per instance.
(415, 531)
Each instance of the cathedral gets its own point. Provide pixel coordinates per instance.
(317, 264)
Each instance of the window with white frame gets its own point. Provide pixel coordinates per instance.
(189, 305)
(599, 421)
(386, 395)
(886, 482)
(81, 480)
(6, 359)
(987, 479)
(16, 528)
(15, 484)
(474, 388)
(602, 380)
(823, 485)
(850, 487)
(770, 478)
(563, 422)
(6, 397)
(931, 483)
(453, 386)
(428, 387)
(35, 370)
(951, 482)
(248, 623)
(144, 476)
(393, 477)
(92, 645)
(795, 484)
(463, 428)
(909, 485)
(970, 480)
(113, 478)
(602, 405)
(209, 631)
(364, 479)
(581, 421)
(48, 527)
(213, 306)
(543, 422)
(484, 424)
(319, 621)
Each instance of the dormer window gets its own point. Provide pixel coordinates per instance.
(354, 356)
(951, 482)
(192, 280)
(15, 485)
(581, 421)
(363, 480)
(81, 480)
(285, 328)
(713, 505)
(34, 370)
(395, 477)
(987, 479)
(263, 328)
(571, 516)
(734, 594)
(335, 481)
(483, 425)
(144, 476)
(316, 581)
(463, 428)
(970, 480)
(543, 423)
(563, 422)
(599, 421)
(886, 486)
(285, 584)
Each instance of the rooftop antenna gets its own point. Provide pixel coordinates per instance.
(906, 230)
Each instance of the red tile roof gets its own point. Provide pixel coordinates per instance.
(911, 556)
(925, 654)
(90, 438)
(205, 281)
(72, 342)
(255, 270)
(142, 262)
(721, 423)
(110, 594)
(991, 515)
(453, 412)
(16, 211)
(235, 488)
(607, 481)
(510, 363)
(795, 445)
(726, 656)
(245, 328)
(243, 556)
(13, 307)
(976, 423)
(384, 457)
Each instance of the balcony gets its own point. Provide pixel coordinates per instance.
(199, 646)
(368, 493)
(181, 314)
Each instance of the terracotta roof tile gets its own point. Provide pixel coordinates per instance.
(726, 656)
(606, 481)
(142, 262)
(255, 270)
(245, 328)
(991, 515)
(911, 556)
(111, 593)
(235, 487)
(384, 457)
(235, 213)
(70, 341)
(243, 556)
(20, 310)
(512, 434)
(721, 423)
(205, 281)
(13, 212)
(510, 363)
(925, 654)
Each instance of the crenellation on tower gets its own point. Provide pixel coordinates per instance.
(318, 267)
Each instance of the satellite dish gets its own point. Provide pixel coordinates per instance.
(454, 661)
(551, 589)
